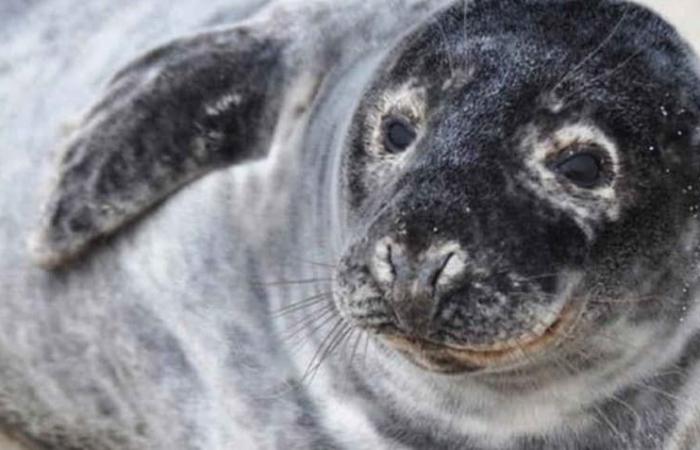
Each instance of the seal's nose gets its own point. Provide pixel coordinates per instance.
(414, 279)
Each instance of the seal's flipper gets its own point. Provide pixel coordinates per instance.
(174, 114)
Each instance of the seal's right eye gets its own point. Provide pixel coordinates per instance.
(399, 134)
(583, 169)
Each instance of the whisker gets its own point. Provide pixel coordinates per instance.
(445, 46)
(599, 412)
(620, 301)
(306, 323)
(602, 77)
(339, 341)
(637, 417)
(336, 336)
(346, 347)
(297, 308)
(663, 393)
(364, 356)
(679, 372)
(501, 270)
(648, 387)
(354, 347)
(537, 277)
(531, 294)
(291, 282)
(595, 51)
(330, 336)
(313, 263)
(302, 304)
(464, 20)
(344, 340)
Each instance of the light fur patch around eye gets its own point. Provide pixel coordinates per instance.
(587, 205)
(408, 101)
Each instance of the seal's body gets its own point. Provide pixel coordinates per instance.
(422, 225)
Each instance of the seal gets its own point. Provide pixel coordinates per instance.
(478, 231)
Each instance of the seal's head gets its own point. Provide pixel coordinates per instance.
(521, 188)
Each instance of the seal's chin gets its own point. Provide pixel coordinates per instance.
(451, 359)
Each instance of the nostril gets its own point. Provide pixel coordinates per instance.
(382, 264)
(439, 268)
(449, 267)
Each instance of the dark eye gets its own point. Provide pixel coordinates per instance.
(399, 134)
(583, 169)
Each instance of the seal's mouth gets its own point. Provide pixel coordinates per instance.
(445, 358)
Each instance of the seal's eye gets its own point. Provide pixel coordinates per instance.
(584, 169)
(399, 134)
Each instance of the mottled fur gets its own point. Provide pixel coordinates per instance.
(275, 299)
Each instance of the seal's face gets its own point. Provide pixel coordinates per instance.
(520, 188)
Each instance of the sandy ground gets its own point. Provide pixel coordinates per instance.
(685, 14)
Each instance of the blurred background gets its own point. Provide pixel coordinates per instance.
(685, 14)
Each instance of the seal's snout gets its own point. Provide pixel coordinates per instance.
(414, 279)
(448, 304)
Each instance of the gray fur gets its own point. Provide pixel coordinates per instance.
(172, 316)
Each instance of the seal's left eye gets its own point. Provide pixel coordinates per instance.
(399, 134)
(583, 169)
